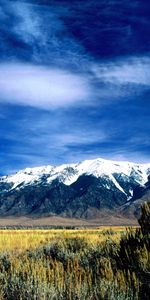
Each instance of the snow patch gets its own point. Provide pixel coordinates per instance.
(69, 173)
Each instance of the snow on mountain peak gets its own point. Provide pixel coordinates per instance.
(69, 173)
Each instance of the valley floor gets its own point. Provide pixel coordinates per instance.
(103, 220)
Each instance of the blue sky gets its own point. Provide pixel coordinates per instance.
(74, 81)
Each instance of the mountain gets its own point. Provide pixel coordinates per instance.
(82, 190)
(141, 194)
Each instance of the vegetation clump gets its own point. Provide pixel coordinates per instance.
(76, 264)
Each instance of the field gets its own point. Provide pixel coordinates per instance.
(21, 240)
(73, 264)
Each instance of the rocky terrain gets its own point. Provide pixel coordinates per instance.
(84, 190)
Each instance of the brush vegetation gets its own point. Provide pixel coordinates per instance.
(103, 263)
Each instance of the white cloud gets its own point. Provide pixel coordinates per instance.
(128, 71)
(80, 137)
(41, 87)
(31, 27)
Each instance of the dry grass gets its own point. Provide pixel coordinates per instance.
(67, 264)
(103, 262)
(21, 240)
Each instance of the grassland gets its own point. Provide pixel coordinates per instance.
(22, 239)
(73, 264)
(95, 263)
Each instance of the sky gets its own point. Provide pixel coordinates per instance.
(74, 81)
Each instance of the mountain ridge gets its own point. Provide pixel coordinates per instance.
(81, 190)
(97, 167)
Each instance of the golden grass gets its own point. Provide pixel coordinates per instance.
(21, 240)
(62, 264)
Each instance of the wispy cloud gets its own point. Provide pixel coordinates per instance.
(36, 33)
(75, 76)
(48, 87)
(131, 70)
(47, 138)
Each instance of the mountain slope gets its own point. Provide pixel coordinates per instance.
(141, 194)
(80, 190)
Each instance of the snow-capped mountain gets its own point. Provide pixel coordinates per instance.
(69, 173)
(71, 189)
